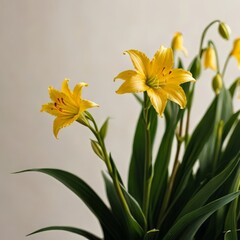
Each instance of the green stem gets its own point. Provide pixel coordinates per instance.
(216, 54)
(204, 34)
(107, 161)
(148, 158)
(225, 65)
(193, 88)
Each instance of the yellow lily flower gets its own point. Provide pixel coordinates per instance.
(210, 59)
(66, 105)
(236, 50)
(156, 77)
(177, 43)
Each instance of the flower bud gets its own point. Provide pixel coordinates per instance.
(97, 149)
(217, 83)
(236, 50)
(210, 58)
(177, 43)
(224, 30)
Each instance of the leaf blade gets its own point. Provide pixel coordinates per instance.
(78, 231)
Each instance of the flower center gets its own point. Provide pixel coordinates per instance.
(158, 80)
(59, 104)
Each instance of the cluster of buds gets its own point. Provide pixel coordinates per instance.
(209, 55)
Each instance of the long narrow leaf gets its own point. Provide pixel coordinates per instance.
(133, 224)
(187, 226)
(162, 161)
(78, 231)
(231, 218)
(108, 222)
(209, 188)
(136, 170)
(233, 145)
(197, 142)
(229, 124)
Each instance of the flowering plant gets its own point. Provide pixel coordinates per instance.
(199, 197)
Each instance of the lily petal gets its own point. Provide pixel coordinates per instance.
(140, 61)
(55, 94)
(61, 122)
(77, 91)
(178, 76)
(126, 75)
(65, 88)
(158, 99)
(133, 85)
(85, 104)
(176, 94)
(162, 61)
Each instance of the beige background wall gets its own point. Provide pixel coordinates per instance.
(44, 41)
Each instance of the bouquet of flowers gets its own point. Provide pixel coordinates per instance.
(198, 198)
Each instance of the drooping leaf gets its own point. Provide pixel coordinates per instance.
(78, 231)
(109, 223)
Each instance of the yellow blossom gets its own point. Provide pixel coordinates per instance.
(177, 43)
(66, 105)
(156, 77)
(210, 59)
(236, 50)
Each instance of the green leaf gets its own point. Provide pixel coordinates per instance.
(201, 197)
(104, 128)
(201, 137)
(151, 235)
(195, 145)
(180, 63)
(209, 155)
(228, 236)
(78, 231)
(162, 161)
(233, 145)
(234, 86)
(187, 226)
(109, 223)
(195, 67)
(231, 218)
(136, 169)
(133, 224)
(229, 124)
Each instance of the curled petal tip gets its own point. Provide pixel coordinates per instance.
(83, 84)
